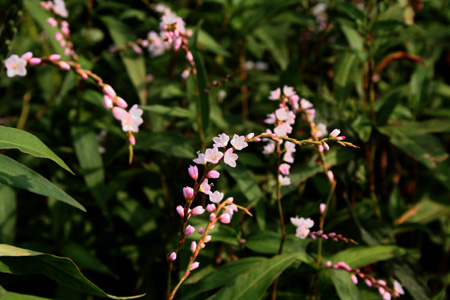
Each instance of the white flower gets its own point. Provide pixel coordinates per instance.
(275, 95)
(59, 7)
(130, 120)
(221, 141)
(303, 226)
(288, 91)
(269, 148)
(239, 142)
(216, 197)
(230, 158)
(213, 155)
(15, 65)
(398, 288)
(284, 180)
(156, 46)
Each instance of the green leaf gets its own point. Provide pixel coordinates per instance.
(361, 256)
(172, 111)
(246, 182)
(441, 295)
(5, 295)
(41, 17)
(220, 277)
(363, 127)
(202, 81)
(342, 77)
(273, 39)
(17, 175)
(169, 143)
(11, 138)
(209, 43)
(407, 279)
(387, 25)
(86, 148)
(8, 213)
(350, 10)
(423, 147)
(345, 288)
(135, 65)
(425, 212)
(252, 283)
(268, 242)
(63, 270)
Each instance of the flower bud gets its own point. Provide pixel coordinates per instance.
(34, 61)
(193, 246)
(109, 91)
(173, 256)
(189, 230)
(54, 57)
(120, 102)
(335, 133)
(27, 55)
(107, 101)
(201, 230)
(198, 210)
(188, 192)
(323, 207)
(194, 265)
(180, 210)
(213, 174)
(225, 218)
(193, 172)
(210, 207)
(132, 140)
(64, 65)
(354, 279)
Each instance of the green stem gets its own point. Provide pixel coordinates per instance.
(25, 110)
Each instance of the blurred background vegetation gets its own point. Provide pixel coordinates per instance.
(378, 70)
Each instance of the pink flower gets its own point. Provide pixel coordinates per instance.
(288, 91)
(188, 192)
(239, 142)
(198, 210)
(284, 180)
(335, 133)
(173, 256)
(269, 148)
(289, 146)
(15, 66)
(189, 230)
(213, 155)
(305, 104)
(216, 197)
(270, 119)
(398, 288)
(275, 95)
(281, 114)
(283, 129)
(200, 159)
(130, 120)
(284, 169)
(213, 174)
(221, 141)
(303, 226)
(225, 218)
(230, 158)
(180, 210)
(288, 157)
(193, 172)
(59, 8)
(205, 187)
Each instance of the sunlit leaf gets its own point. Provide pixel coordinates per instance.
(11, 138)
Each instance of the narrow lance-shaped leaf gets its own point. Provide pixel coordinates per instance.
(202, 82)
(16, 174)
(12, 138)
(63, 270)
(253, 283)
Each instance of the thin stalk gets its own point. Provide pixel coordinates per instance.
(25, 110)
(198, 115)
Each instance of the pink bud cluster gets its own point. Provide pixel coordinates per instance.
(173, 35)
(332, 236)
(131, 120)
(219, 209)
(58, 8)
(282, 119)
(386, 292)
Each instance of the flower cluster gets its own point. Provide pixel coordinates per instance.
(386, 292)
(303, 225)
(58, 8)
(16, 66)
(172, 35)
